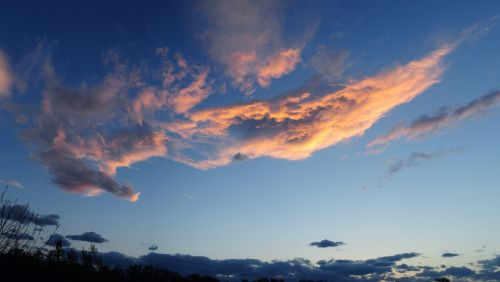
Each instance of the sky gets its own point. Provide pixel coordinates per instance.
(359, 136)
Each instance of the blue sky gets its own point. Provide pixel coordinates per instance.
(237, 130)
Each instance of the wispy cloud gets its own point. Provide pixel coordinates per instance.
(11, 182)
(418, 158)
(247, 38)
(330, 65)
(6, 79)
(445, 118)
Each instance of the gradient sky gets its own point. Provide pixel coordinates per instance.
(233, 129)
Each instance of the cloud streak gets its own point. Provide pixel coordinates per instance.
(418, 158)
(90, 237)
(449, 255)
(445, 118)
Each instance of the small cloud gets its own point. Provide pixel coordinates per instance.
(189, 196)
(326, 244)
(23, 213)
(449, 255)
(91, 237)
(239, 157)
(153, 247)
(11, 182)
(57, 237)
(417, 158)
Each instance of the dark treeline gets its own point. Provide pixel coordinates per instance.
(63, 265)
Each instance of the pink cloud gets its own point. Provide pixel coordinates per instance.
(282, 63)
(190, 96)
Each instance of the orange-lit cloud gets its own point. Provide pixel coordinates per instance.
(282, 63)
(5, 76)
(295, 127)
(85, 134)
(192, 95)
(173, 93)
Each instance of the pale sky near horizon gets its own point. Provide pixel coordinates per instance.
(232, 129)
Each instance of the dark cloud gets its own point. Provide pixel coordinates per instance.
(326, 244)
(153, 247)
(54, 238)
(449, 255)
(444, 118)
(404, 267)
(239, 157)
(294, 270)
(91, 237)
(23, 213)
(75, 175)
(417, 158)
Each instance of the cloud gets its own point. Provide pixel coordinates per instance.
(439, 121)
(238, 157)
(91, 237)
(417, 158)
(295, 269)
(12, 182)
(51, 219)
(326, 244)
(449, 255)
(74, 175)
(377, 269)
(84, 134)
(153, 247)
(6, 79)
(191, 95)
(296, 125)
(23, 213)
(246, 37)
(328, 64)
(54, 238)
(282, 63)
